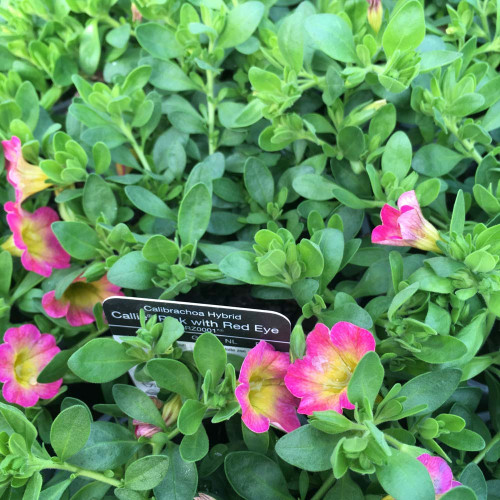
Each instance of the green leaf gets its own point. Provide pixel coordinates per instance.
(17, 423)
(95, 191)
(291, 40)
(331, 243)
(401, 298)
(172, 330)
(90, 47)
(70, 431)
(146, 473)
(403, 476)
(6, 275)
(434, 160)
(159, 41)
(181, 480)
(465, 440)
(242, 266)
(351, 142)
(195, 446)
(406, 28)
(159, 250)
(332, 35)
(441, 349)
(109, 446)
(169, 76)
(148, 202)
(307, 448)
(101, 360)
(432, 388)
(33, 487)
(259, 181)
(241, 22)
(174, 376)
(460, 493)
(255, 477)
(56, 491)
(472, 477)
(191, 416)
(314, 187)
(137, 404)
(209, 354)
(396, 158)
(458, 216)
(102, 157)
(94, 491)
(194, 213)
(366, 380)
(77, 238)
(436, 58)
(132, 271)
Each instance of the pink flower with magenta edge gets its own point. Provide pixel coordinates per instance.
(34, 239)
(78, 300)
(23, 355)
(440, 472)
(406, 226)
(26, 179)
(262, 394)
(321, 377)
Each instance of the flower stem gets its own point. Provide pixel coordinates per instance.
(138, 150)
(212, 139)
(490, 445)
(118, 483)
(324, 488)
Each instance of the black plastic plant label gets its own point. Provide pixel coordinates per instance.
(238, 329)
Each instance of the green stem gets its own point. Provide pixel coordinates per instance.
(324, 488)
(173, 433)
(392, 440)
(138, 150)
(490, 445)
(82, 472)
(484, 20)
(89, 337)
(473, 152)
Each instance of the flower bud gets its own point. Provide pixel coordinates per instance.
(375, 13)
(171, 410)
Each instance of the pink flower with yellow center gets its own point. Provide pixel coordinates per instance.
(375, 13)
(78, 300)
(23, 355)
(406, 227)
(33, 239)
(262, 394)
(321, 377)
(169, 413)
(26, 179)
(440, 472)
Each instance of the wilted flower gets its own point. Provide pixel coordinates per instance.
(406, 226)
(78, 300)
(26, 179)
(375, 13)
(321, 377)
(33, 239)
(440, 472)
(262, 393)
(23, 355)
(203, 496)
(169, 413)
(136, 15)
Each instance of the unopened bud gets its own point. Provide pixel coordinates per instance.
(171, 410)
(375, 13)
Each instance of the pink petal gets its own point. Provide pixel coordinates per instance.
(79, 316)
(53, 307)
(7, 357)
(351, 341)
(412, 226)
(439, 471)
(409, 199)
(13, 392)
(264, 360)
(12, 149)
(22, 337)
(384, 235)
(48, 391)
(318, 341)
(255, 421)
(389, 216)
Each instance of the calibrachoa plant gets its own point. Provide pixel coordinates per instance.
(334, 161)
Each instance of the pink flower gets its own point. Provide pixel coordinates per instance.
(375, 13)
(169, 413)
(78, 300)
(321, 377)
(406, 226)
(34, 239)
(27, 179)
(440, 473)
(23, 355)
(262, 393)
